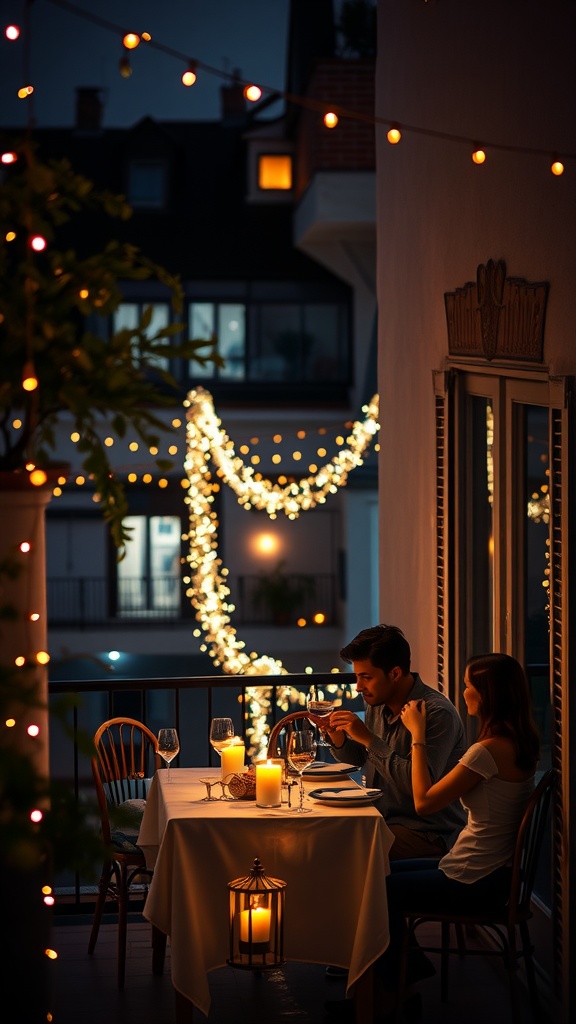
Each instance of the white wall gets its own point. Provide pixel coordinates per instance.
(495, 72)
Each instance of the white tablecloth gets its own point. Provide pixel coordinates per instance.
(334, 861)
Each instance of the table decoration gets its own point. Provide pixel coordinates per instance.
(233, 757)
(268, 784)
(242, 785)
(257, 920)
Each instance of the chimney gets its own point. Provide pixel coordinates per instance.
(89, 108)
(233, 103)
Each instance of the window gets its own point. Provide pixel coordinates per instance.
(275, 171)
(128, 316)
(147, 183)
(285, 343)
(226, 320)
(149, 576)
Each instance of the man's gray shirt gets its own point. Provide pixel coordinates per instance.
(388, 763)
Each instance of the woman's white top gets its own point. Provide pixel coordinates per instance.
(495, 809)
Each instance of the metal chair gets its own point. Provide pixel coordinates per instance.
(126, 757)
(500, 925)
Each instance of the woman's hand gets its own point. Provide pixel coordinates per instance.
(413, 716)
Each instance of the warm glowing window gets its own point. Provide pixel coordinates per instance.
(275, 171)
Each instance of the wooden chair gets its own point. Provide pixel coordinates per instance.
(126, 757)
(501, 925)
(284, 723)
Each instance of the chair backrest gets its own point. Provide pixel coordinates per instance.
(529, 844)
(274, 748)
(124, 761)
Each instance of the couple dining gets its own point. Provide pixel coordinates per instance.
(454, 810)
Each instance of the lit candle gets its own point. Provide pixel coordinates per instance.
(268, 784)
(233, 757)
(260, 925)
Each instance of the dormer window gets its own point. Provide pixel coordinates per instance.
(147, 183)
(275, 171)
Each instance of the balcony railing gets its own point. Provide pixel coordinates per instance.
(77, 603)
(187, 703)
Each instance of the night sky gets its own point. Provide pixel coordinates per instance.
(66, 51)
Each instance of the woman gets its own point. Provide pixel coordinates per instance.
(494, 781)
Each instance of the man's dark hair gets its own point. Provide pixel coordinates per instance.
(385, 646)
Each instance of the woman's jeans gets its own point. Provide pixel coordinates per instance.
(419, 885)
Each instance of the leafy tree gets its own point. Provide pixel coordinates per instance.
(53, 305)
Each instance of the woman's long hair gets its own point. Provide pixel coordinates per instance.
(505, 704)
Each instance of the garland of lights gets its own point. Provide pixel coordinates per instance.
(253, 92)
(207, 587)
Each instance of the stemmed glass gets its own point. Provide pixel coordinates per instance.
(221, 733)
(168, 747)
(320, 709)
(301, 751)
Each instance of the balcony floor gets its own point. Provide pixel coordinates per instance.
(85, 986)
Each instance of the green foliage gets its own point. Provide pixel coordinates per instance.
(54, 308)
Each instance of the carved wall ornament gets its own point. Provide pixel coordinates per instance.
(497, 317)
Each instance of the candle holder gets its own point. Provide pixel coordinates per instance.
(256, 920)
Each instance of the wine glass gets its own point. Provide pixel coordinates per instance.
(221, 733)
(301, 751)
(168, 747)
(320, 709)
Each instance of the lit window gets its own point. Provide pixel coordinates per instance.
(275, 172)
(226, 320)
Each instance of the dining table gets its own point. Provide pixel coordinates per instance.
(334, 860)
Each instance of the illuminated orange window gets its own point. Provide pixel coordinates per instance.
(275, 171)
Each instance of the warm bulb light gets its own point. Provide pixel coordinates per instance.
(9, 157)
(10, 723)
(33, 730)
(131, 40)
(38, 477)
(253, 93)
(36, 815)
(478, 156)
(330, 119)
(25, 92)
(51, 954)
(34, 616)
(557, 168)
(124, 67)
(319, 618)
(10, 236)
(189, 77)
(394, 135)
(25, 547)
(11, 32)
(29, 378)
(42, 657)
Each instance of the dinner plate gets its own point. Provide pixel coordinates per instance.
(325, 770)
(346, 796)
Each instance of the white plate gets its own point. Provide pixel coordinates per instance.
(346, 796)
(323, 770)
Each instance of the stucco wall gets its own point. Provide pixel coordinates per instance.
(501, 73)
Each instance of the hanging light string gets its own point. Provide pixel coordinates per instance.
(273, 498)
(396, 127)
(207, 585)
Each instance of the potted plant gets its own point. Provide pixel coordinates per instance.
(283, 594)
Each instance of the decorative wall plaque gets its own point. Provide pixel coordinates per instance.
(497, 317)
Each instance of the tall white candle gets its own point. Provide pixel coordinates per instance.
(268, 784)
(232, 758)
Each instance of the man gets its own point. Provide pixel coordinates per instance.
(380, 657)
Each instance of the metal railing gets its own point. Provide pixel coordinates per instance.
(80, 602)
(189, 704)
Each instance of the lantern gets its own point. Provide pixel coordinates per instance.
(257, 920)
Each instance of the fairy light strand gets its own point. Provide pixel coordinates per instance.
(321, 105)
(208, 589)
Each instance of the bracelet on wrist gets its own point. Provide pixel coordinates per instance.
(417, 745)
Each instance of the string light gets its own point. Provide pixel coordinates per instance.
(208, 589)
(131, 40)
(12, 32)
(124, 67)
(309, 102)
(189, 76)
(557, 168)
(478, 156)
(9, 158)
(330, 119)
(253, 93)
(29, 378)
